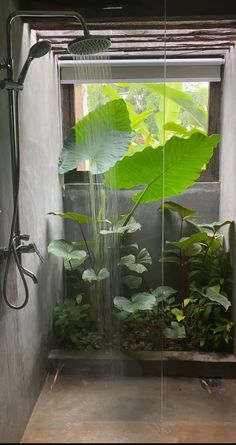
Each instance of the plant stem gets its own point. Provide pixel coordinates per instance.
(183, 268)
(207, 250)
(86, 244)
(130, 214)
(181, 227)
(94, 222)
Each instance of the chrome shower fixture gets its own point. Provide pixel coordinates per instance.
(81, 46)
(86, 45)
(40, 49)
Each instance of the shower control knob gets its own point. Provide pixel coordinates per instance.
(29, 248)
(38, 252)
(24, 237)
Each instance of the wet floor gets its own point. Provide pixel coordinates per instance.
(133, 410)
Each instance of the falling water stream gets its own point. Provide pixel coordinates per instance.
(103, 205)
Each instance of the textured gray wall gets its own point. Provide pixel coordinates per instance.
(228, 155)
(25, 335)
(203, 197)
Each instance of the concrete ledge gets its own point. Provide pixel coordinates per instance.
(143, 363)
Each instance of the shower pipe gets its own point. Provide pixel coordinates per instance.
(85, 45)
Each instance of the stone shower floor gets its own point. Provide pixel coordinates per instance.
(132, 410)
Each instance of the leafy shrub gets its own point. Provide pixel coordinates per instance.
(72, 325)
(206, 282)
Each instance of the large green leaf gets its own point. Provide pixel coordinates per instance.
(181, 130)
(176, 128)
(193, 250)
(168, 111)
(183, 162)
(178, 313)
(213, 293)
(209, 228)
(118, 227)
(174, 207)
(90, 275)
(61, 248)
(215, 226)
(176, 331)
(102, 137)
(74, 262)
(137, 119)
(77, 217)
(64, 249)
(162, 293)
(130, 262)
(144, 257)
(185, 100)
(186, 242)
(143, 301)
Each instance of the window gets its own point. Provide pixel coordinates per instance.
(151, 101)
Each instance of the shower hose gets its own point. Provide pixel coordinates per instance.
(14, 238)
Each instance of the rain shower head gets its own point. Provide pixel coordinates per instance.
(39, 49)
(86, 45)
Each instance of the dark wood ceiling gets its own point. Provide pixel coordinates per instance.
(137, 28)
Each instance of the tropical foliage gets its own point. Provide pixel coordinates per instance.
(206, 283)
(157, 111)
(198, 311)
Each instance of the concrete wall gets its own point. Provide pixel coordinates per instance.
(203, 197)
(228, 146)
(228, 155)
(25, 335)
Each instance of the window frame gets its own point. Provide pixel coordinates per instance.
(211, 174)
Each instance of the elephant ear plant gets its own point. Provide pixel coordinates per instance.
(104, 137)
(163, 171)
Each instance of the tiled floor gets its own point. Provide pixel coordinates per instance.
(132, 410)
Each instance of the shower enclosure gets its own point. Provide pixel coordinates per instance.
(132, 317)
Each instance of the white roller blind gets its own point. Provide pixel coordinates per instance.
(182, 70)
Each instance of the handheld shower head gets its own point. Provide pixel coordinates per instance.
(88, 44)
(39, 49)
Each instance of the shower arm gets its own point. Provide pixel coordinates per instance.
(46, 14)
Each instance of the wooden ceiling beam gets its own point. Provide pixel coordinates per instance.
(140, 35)
(155, 54)
(134, 33)
(134, 41)
(163, 45)
(182, 48)
(55, 24)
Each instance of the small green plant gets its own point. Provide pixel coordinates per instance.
(203, 309)
(73, 327)
(146, 317)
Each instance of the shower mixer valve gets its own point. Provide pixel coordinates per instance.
(21, 248)
(28, 248)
